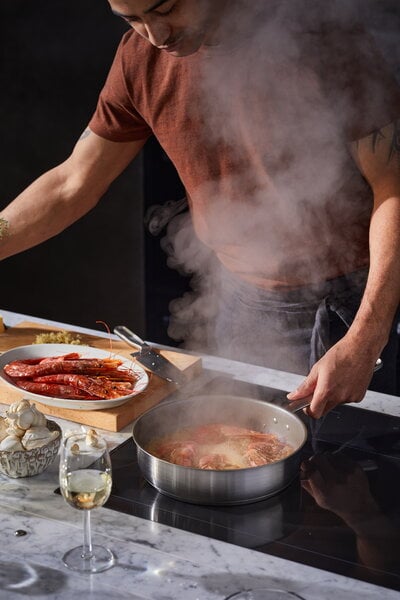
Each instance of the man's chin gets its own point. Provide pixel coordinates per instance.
(183, 53)
(183, 49)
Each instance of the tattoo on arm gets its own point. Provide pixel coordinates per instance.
(376, 136)
(394, 142)
(3, 228)
(85, 134)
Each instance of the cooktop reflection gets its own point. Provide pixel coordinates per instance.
(342, 514)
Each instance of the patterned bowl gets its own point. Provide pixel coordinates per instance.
(25, 463)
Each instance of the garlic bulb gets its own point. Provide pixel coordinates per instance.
(37, 436)
(13, 429)
(92, 438)
(18, 406)
(24, 428)
(3, 429)
(39, 420)
(30, 443)
(24, 416)
(11, 443)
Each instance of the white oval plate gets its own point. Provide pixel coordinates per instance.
(43, 350)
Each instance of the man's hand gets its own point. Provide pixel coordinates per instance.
(342, 375)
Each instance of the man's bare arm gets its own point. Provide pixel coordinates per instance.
(378, 157)
(344, 373)
(63, 194)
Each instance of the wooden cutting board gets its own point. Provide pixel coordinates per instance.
(113, 419)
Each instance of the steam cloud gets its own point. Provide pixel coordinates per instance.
(300, 166)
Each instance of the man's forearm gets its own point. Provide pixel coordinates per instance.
(46, 207)
(382, 294)
(377, 156)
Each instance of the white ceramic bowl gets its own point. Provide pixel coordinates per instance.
(43, 350)
(25, 463)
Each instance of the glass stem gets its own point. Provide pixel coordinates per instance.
(87, 550)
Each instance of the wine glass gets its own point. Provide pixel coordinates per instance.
(264, 594)
(85, 483)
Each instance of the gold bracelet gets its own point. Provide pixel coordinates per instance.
(3, 228)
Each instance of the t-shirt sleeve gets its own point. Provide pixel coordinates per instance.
(116, 117)
(362, 89)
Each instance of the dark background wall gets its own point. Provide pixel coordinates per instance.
(54, 59)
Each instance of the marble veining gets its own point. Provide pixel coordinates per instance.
(154, 561)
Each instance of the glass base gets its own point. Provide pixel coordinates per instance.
(264, 594)
(101, 559)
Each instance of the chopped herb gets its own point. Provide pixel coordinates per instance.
(58, 337)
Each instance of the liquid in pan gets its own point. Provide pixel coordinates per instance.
(219, 447)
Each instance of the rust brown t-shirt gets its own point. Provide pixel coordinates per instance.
(258, 129)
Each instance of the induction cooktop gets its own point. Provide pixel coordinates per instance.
(342, 514)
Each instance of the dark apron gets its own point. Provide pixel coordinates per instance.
(292, 330)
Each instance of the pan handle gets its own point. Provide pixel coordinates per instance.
(293, 406)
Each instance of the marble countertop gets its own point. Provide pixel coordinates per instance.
(153, 561)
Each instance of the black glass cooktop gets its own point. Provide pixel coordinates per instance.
(342, 514)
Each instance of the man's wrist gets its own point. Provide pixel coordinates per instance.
(369, 340)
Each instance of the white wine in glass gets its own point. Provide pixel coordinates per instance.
(85, 483)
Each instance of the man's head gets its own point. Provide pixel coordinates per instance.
(180, 27)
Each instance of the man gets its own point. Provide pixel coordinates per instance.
(261, 106)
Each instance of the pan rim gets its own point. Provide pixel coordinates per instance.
(227, 472)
